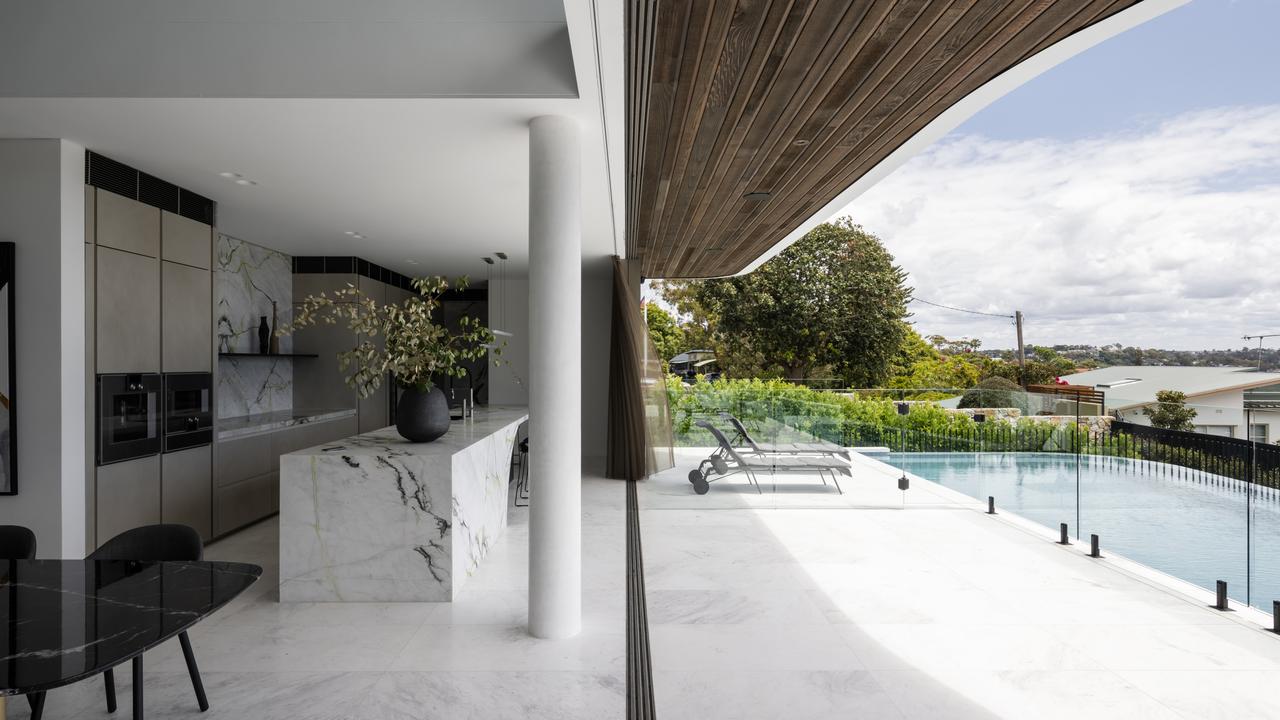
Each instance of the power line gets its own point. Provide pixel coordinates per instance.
(971, 312)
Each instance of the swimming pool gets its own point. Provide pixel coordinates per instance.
(1195, 526)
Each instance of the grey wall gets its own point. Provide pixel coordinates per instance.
(507, 381)
(42, 211)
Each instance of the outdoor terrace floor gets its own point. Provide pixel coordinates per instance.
(805, 603)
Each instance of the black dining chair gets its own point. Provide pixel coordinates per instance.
(156, 543)
(17, 543)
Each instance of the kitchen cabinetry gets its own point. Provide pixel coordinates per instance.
(126, 224)
(186, 318)
(148, 287)
(186, 489)
(128, 311)
(128, 496)
(247, 481)
(186, 241)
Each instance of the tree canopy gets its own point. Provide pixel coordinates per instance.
(831, 305)
(668, 336)
(1171, 411)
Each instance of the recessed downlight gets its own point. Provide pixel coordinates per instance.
(354, 234)
(245, 181)
(757, 195)
(230, 175)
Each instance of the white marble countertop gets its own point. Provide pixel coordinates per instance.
(462, 434)
(247, 425)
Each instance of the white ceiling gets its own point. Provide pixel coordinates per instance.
(285, 48)
(432, 183)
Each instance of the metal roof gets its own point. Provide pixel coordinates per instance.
(1129, 386)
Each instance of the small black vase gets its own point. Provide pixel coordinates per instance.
(422, 416)
(264, 336)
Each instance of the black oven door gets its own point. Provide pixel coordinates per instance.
(188, 410)
(128, 416)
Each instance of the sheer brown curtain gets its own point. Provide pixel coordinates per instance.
(639, 418)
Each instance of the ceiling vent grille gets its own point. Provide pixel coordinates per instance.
(103, 172)
(158, 193)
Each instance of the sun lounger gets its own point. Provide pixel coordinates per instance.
(821, 447)
(726, 461)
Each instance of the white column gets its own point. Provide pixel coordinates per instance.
(555, 395)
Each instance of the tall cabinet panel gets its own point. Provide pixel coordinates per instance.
(128, 310)
(186, 318)
(186, 241)
(186, 489)
(128, 496)
(126, 224)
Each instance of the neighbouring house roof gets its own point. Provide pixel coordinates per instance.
(693, 356)
(1128, 386)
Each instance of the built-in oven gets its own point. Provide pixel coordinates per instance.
(188, 410)
(128, 416)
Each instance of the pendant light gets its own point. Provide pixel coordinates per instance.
(502, 295)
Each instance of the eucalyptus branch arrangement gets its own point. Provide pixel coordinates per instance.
(415, 347)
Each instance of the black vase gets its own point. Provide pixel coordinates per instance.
(264, 336)
(422, 416)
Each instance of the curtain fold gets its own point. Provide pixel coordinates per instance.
(639, 435)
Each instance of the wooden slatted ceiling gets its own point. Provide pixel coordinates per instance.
(797, 99)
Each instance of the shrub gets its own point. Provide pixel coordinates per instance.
(995, 392)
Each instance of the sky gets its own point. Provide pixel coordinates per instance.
(1130, 195)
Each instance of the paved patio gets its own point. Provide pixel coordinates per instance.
(807, 603)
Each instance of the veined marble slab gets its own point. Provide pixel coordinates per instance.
(247, 278)
(375, 518)
(257, 424)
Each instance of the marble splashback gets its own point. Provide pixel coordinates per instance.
(246, 279)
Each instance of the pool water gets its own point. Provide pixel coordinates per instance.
(1195, 526)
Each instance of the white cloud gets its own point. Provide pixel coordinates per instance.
(1169, 237)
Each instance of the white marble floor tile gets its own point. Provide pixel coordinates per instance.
(231, 647)
(510, 648)
(936, 647)
(1220, 695)
(1175, 647)
(729, 692)
(232, 696)
(767, 606)
(963, 694)
(496, 696)
(693, 648)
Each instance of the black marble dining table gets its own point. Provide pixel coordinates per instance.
(66, 620)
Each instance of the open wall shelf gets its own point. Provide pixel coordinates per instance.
(267, 355)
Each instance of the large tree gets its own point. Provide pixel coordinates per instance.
(831, 305)
(668, 337)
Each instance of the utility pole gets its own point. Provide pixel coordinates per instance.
(1260, 338)
(1022, 355)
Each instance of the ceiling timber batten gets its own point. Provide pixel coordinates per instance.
(746, 118)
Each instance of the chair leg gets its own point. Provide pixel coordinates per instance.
(195, 671)
(36, 701)
(137, 687)
(109, 679)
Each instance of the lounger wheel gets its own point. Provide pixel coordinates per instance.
(720, 465)
(701, 486)
(695, 476)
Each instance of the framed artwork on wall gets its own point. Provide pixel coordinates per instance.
(8, 375)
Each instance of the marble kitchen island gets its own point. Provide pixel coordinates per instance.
(376, 518)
